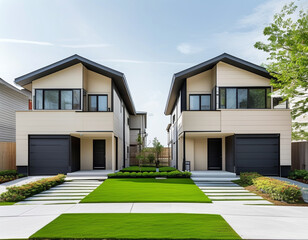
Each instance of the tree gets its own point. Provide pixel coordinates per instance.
(157, 149)
(288, 60)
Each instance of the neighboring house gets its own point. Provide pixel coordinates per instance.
(80, 119)
(223, 119)
(11, 100)
(138, 125)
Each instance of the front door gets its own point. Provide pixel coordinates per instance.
(99, 154)
(214, 154)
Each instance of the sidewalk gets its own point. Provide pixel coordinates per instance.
(249, 221)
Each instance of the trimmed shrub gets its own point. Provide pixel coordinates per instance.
(298, 174)
(247, 177)
(147, 169)
(18, 193)
(278, 190)
(9, 175)
(173, 174)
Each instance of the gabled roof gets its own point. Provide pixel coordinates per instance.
(118, 77)
(22, 91)
(178, 78)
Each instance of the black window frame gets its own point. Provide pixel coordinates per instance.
(97, 95)
(200, 101)
(265, 96)
(59, 98)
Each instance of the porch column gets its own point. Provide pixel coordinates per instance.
(113, 153)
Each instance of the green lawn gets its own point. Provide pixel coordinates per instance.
(6, 203)
(147, 190)
(137, 226)
(147, 169)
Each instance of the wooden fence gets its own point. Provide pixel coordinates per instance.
(164, 158)
(7, 155)
(299, 155)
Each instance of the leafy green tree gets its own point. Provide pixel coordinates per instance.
(157, 149)
(288, 60)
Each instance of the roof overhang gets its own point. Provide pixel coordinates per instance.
(117, 77)
(178, 78)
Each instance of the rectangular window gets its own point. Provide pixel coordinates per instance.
(51, 99)
(39, 99)
(245, 98)
(98, 103)
(57, 99)
(199, 102)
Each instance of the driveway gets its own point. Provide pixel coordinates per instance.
(249, 221)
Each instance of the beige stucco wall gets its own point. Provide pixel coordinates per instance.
(98, 84)
(86, 152)
(228, 76)
(202, 83)
(56, 122)
(71, 77)
(201, 121)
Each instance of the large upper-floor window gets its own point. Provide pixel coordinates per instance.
(199, 102)
(98, 103)
(58, 99)
(244, 97)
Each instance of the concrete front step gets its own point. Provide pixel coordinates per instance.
(47, 202)
(234, 197)
(79, 185)
(212, 179)
(231, 194)
(213, 174)
(216, 185)
(73, 188)
(224, 190)
(51, 198)
(67, 191)
(45, 194)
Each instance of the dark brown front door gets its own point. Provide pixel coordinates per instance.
(99, 154)
(214, 154)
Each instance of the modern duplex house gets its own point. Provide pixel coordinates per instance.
(79, 121)
(223, 118)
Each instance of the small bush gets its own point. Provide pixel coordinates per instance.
(247, 177)
(298, 174)
(9, 175)
(147, 169)
(278, 190)
(167, 169)
(173, 174)
(18, 193)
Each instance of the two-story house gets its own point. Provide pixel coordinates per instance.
(79, 121)
(223, 118)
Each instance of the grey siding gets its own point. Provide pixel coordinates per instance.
(11, 100)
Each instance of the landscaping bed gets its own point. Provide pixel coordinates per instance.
(137, 226)
(19, 193)
(271, 189)
(9, 175)
(299, 175)
(172, 174)
(147, 169)
(147, 190)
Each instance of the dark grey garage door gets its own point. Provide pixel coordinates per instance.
(49, 154)
(257, 153)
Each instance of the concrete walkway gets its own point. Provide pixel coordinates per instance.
(249, 221)
(303, 186)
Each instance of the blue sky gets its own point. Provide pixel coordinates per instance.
(147, 40)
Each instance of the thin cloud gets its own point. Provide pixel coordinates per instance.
(100, 45)
(144, 62)
(21, 41)
(187, 48)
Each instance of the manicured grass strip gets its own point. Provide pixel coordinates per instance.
(6, 203)
(147, 169)
(147, 190)
(137, 226)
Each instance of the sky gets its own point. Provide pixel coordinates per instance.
(147, 40)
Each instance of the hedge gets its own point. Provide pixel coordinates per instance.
(278, 190)
(9, 175)
(18, 193)
(173, 174)
(147, 169)
(299, 175)
(247, 177)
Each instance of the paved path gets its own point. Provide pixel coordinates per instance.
(68, 192)
(249, 221)
(229, 191)
(303, 186)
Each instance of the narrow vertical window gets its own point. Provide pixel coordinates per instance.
(268, 98)
(194, 102)
(205, 102)
(222, 96)
(66, 99)
(242, 98)
(102, 103)
(39, 99)
(231, 98)
(92, 103)
(76, 99)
